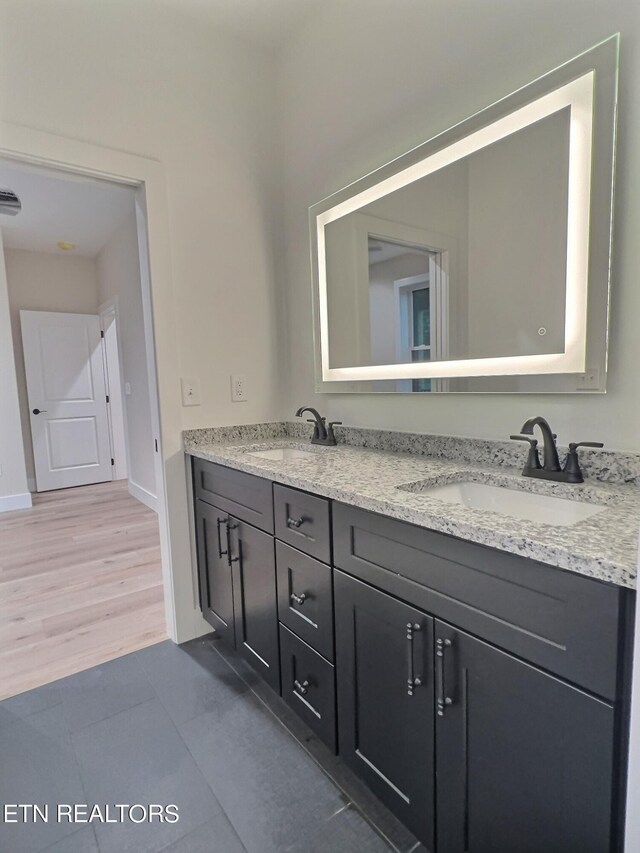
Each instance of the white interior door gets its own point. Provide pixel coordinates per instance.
(67, 399)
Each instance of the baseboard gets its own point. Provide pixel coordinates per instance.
(10, 502)
(143, 496)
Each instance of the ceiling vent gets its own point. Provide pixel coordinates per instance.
(10, 204)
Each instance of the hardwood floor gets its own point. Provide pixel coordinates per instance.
(80, 584)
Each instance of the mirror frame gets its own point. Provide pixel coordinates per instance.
(588, 86)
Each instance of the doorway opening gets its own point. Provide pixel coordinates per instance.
(82, 574)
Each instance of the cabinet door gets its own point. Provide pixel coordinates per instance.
(385, 718)
(524, 760)
(214, 570)
(256, 607)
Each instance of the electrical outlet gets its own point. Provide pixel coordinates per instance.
(239, 388)
(589, 380)
(190, 392)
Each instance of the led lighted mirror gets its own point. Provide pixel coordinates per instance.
(479, 261)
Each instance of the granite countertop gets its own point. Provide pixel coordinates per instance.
(604, 546)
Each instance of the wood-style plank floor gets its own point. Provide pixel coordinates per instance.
(80, 584)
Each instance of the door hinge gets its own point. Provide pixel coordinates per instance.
(156, 443)
(107, 398)
(101, 333)
(113, 461)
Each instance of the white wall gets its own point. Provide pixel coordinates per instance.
(14, 492)
(118, 270)
(518, 193)
(383, 307)
(142, 78)
(44, 281)
(151, 80)
(368, 79)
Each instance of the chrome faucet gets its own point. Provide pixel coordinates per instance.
(550, 468)
(322, 434)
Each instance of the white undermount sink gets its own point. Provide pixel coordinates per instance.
(281, 454)
(543, 509)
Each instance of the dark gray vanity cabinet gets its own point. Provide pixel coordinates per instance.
(305, 608)
(525, 761)
(481, 695)
(385, 699)
(236, 563)
(441, 725)
(255, 601)
(214, 571)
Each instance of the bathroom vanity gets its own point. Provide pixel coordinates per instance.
(479, 691)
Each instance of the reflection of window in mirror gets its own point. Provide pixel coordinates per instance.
(415, 333)
(408, 307)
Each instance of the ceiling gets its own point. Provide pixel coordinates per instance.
(61, 207)
(268, 22)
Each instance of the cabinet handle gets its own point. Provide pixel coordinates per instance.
(230, 527)
(295, 522)
(442, 700)
(301, 687)
(298, 599)
(220, 521)
(413, 680)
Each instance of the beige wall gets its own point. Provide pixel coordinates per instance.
(13, 476)
(43, 281)
(118, 271)
(345, 112)
(154, 81)
(517, 241)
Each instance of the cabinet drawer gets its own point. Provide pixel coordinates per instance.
(308, 686)
(304, 598)
(564, 623)
(302, 520)
(246, 497)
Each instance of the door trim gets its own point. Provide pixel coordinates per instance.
(146, 176)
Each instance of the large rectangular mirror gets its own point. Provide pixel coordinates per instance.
(479, 261)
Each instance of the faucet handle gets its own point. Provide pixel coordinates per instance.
(334, 423)
(574, 444)
(532, 441)
(533, 459)
(572, 464)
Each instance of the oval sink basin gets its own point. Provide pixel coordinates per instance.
(281, 454)
(543, 509)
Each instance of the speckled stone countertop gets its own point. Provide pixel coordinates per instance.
(386, 481)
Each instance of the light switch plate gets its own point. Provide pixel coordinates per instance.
(190, 392)
(589, 380)
(127, 388)
(239, 388)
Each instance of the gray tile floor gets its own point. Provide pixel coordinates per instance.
(189, 725)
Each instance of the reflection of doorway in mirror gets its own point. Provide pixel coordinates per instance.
(408, 307)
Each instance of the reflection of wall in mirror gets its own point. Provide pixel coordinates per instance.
(383, 306)
(443, 211)
(517, 241)
(347, 348)
(438, 203)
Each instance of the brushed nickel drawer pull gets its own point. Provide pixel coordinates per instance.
(442, 700)
(413, 680)
(301, 688)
